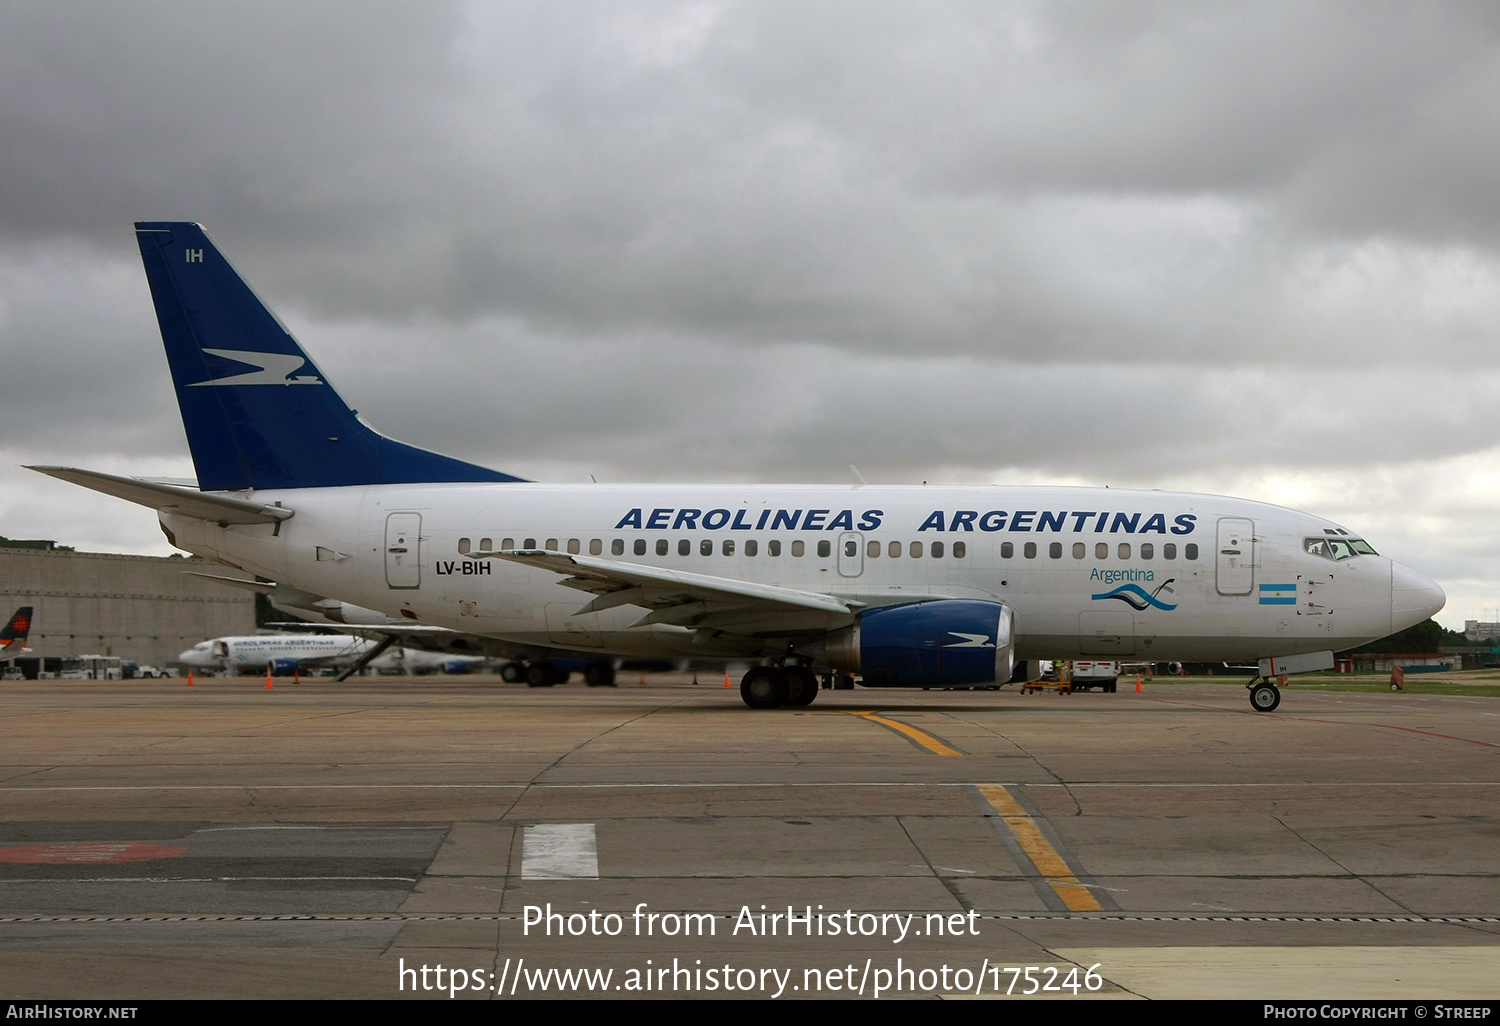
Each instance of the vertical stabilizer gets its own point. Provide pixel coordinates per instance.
(258, 411)
(13, 637)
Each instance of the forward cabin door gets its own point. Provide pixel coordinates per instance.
(403, 550)
(1236, 556)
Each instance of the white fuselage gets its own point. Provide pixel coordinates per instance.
(1088, 572)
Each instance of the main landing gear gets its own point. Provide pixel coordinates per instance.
(768, 687)
(1264, 696)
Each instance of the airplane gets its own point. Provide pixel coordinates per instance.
(13, 637)
(285, 653)
(428, 648)
(905, 586)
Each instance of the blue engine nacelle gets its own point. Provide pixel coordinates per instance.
(455, 666)
(942, 643)
(283, 667)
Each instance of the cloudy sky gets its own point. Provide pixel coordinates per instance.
(1241, 248)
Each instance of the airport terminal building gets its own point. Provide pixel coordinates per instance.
(143, 608)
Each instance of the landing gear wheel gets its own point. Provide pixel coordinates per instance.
(540, 675)
(801, 685)
(764, 687)
(1264, 697)
(599, 675)
(513, 673)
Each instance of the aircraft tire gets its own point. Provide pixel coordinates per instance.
(599, 675)
(1265, 697)
(764, 687)
(540, 675)
(801, 685)
(513, 672)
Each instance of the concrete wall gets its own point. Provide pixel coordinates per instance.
(136, 607)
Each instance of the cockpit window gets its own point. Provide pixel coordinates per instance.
(1337, 549)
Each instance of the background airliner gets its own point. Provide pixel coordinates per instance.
(899, 586)
(286, 653)
(13, 636)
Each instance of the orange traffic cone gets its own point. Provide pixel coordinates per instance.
(268, 680)
(190, 678)
(1138, 688)
(726, 678)
(297, 675)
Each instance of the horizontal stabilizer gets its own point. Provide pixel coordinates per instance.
(189, 502)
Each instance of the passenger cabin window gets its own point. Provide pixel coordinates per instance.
(914, 550)
(1124, 550)
(463, 546)
(1029, 551)
(773, 548)
(873, 549)
(798, 548)
(1101, 550)
(751, 547)
(684, 547)
(894, 549)
(706, 547)
(1080, 550)
(484, 545)
(851, 547)
(661, 546)
(640, 546)
(1169, 550)
(529, 544)
(960, 550)
(825, 548)
(1054, 551)
(729, 548)
(508, 543)
(595, 546)
(1007, 550)
(937, 550)
(617, 547)
(1190, 551)
(1147, 550)
(573, 546)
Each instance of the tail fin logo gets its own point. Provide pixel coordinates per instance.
(15, 632)
(270, 369)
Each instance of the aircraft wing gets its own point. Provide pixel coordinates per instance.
(679, 597)
(221, 509)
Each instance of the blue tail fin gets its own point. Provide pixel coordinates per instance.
(15, 633)
(258, 413)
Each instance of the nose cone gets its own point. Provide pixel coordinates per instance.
(1414, 598)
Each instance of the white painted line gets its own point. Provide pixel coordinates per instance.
(560, 851)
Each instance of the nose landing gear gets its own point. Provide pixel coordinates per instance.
(1264, 696)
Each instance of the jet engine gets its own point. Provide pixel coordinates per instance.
(941, 643)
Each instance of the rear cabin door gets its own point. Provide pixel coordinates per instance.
(403, 550)
(1236, 556)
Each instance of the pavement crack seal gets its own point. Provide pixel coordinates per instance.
(919, 738)
(1352, 874)
(946, 881)
(1057, 880)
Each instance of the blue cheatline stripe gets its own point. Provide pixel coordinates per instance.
(1278, 587)
(1277, 601)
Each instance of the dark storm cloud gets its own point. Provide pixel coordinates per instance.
(1065, 181)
